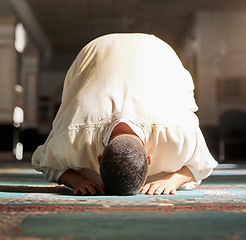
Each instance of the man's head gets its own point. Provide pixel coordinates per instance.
(123, 166)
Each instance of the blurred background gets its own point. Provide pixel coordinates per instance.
(39, 40)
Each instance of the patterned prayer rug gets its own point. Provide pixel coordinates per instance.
(33, 209)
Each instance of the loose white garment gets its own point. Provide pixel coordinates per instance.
(135, 77)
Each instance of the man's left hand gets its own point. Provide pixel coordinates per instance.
(159, 187)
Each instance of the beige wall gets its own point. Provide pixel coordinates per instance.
(215, 48)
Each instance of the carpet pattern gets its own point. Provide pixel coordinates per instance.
(219, 193)
(33, 209)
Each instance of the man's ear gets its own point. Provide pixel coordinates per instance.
(99, 156)
(149, 157)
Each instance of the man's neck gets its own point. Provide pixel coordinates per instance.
(123, 129)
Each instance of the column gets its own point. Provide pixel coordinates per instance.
(8, 70)
(29, 81)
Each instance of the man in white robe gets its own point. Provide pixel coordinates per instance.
(134, 85)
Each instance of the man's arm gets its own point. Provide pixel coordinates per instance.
(169, 183)
(80, 184)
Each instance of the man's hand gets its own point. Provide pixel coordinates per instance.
(80, 184)
(159, 187)
(170, 183)
(88, 188)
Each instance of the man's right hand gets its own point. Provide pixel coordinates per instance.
(89, 188)
(80, 184)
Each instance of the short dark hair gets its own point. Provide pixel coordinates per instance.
(123, 166)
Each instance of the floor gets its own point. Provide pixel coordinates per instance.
(31, 208)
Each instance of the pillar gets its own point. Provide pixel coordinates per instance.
(8, 70)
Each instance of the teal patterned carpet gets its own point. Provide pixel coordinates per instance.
(31, 208)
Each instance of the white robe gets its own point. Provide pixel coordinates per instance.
(136, 78)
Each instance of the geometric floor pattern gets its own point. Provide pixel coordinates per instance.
(31, 208)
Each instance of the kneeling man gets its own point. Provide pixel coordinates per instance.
(126, 123)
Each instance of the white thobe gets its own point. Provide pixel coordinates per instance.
(133, 78)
